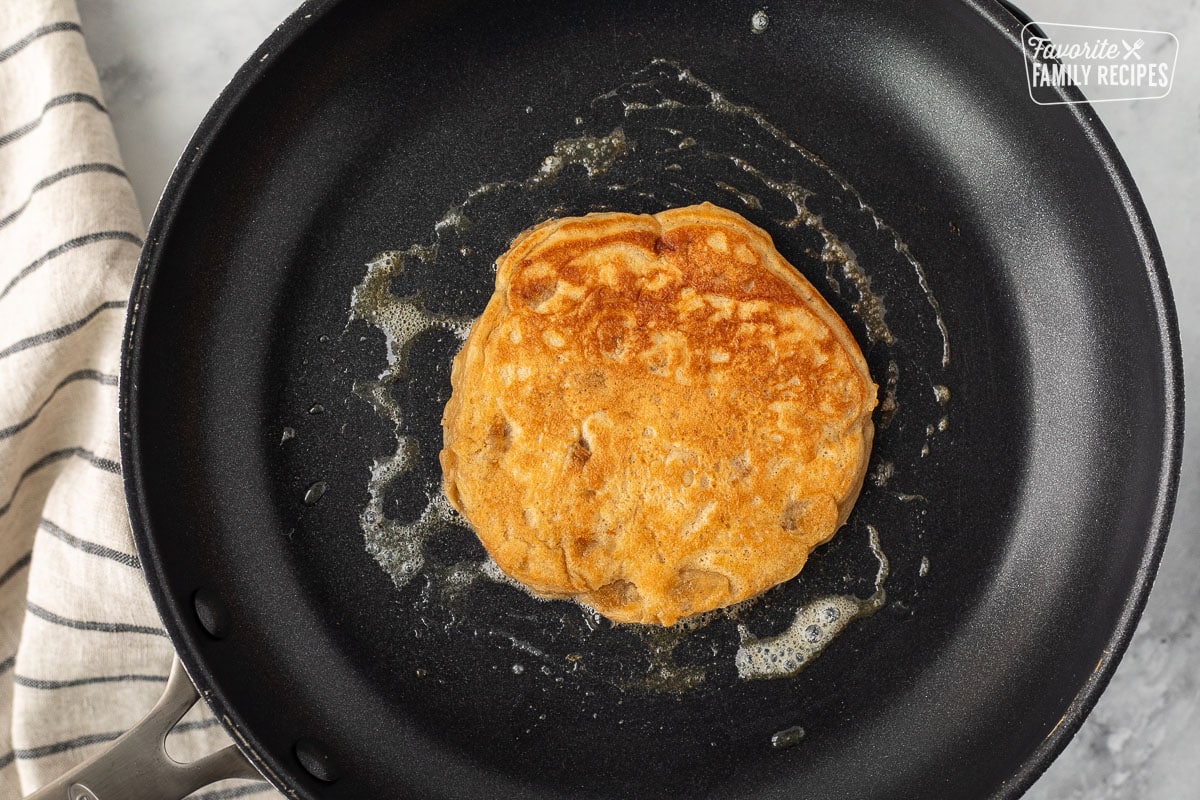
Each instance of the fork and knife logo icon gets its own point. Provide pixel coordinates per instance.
(1132, 49)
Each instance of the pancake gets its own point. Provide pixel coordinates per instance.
(655, 415)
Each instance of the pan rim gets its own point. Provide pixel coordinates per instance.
(187, 167)
(253, 71)
(1009, 24)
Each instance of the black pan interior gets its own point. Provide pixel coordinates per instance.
(1042, 504)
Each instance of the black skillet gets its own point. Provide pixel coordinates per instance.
(1042, 509)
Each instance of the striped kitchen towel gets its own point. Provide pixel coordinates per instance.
(83, 655)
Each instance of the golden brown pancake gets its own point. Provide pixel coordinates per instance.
(655, 415)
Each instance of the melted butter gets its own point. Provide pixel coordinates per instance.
(817, 623)
(883, 472)
(399, 547)
(747, 199)
(594, 153)
(888, 405)
(869, 306)
(489, 569)
(401, 319)
(664, 674)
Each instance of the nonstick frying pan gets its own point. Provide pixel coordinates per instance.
(1021, 485)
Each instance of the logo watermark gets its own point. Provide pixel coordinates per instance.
(1106, 64)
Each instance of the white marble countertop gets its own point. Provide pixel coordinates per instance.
(163, 63)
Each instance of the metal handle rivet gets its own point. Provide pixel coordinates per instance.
(212, 614)
(314, 757)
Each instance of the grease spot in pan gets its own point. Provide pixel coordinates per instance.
(817, 623)
(788, 737)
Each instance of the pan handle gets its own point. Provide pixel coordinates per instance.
(137, 767)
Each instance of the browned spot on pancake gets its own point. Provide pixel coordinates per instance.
(581, 451)
(537, 292)
(793, 510)
(611, 335)
(739, 466)
(618, 593)
(499, 436)
(592, 379)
